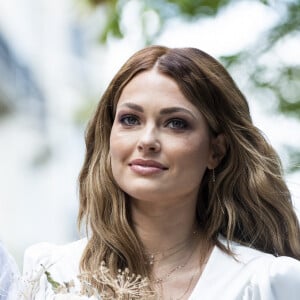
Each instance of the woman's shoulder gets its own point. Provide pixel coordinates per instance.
(278, 279)
(270, 277)
(284, 276)
(273, 265)
(61, 259)
(243, 255)
(46, 264)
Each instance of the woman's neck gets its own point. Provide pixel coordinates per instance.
(176, 249)
(163, 227)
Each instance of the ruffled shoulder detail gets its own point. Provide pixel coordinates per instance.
(61, 261)
(277, 279)
(48, 254)
(285, 278)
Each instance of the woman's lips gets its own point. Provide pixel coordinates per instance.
(146, 167)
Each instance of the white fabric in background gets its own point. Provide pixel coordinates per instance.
(9, 274)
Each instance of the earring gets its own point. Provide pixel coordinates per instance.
(213, 176)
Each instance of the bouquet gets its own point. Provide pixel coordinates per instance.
(124, 286)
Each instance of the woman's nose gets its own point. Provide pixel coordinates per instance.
(149, 141)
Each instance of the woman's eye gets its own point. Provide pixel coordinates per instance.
(177, 124)
(129, 120)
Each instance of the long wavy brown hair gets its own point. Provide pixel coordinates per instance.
(249, 201)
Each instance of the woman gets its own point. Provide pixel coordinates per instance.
(179, 186)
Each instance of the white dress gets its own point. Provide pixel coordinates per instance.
(251, 275)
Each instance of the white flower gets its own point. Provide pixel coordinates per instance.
(40, 284)
(125, 285)
(30, 283)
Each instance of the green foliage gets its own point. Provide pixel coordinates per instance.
(165, 10)
(199, 7)
(113, 21)
(54, 284)
(288, 25)
(285, 85)
(294, 159)
(279, 79)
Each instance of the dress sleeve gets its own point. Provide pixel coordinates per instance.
(285, 278)
(34, 285)
(275, 279)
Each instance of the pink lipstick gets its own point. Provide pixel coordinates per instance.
(146, 167)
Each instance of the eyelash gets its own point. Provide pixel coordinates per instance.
(183, 124)
(133, 120)
(125, 118)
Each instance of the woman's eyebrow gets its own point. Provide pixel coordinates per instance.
(175, 109)
(133, 106)
(164, 111)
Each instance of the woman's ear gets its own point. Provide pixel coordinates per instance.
(218, 150)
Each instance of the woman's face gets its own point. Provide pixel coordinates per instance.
(160, 144)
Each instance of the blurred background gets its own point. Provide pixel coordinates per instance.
(57, 57)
